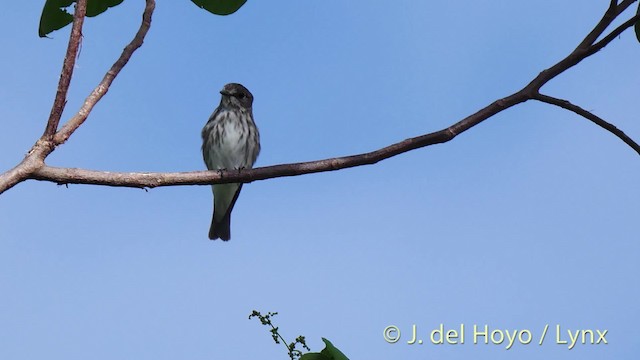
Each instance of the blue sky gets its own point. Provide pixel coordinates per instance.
(526, 220)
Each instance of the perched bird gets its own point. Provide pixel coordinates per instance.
(230, 140)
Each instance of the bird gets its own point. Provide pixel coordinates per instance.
(230, 141)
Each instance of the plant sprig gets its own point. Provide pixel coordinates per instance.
(292, 350)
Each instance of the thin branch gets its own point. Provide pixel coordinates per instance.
(67, 69)
(607, 19)
(614, 34)
(565, 104)
(623, 6)
(611, 14)
(102, 88)
(151, 179)
(25, 168)
(584, 49)
(45, 145)
(155, 179)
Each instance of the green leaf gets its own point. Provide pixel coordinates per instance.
(329, 352)
(637, 27)
(314, 356)
(97, 7)
(332, 352)
(220, 7)
(55, 16)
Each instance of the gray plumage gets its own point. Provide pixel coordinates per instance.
(230, 140)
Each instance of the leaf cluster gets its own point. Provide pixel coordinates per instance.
(330, 352)
(55, 15)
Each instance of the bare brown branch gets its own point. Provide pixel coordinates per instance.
(607, 19)
(586, 47)
(28, 165)
(50, 139)
(104, 85)
(150, 180)
(565, 104)
(614, 34)
(67, 70)
(624, 5)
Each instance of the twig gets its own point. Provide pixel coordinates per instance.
(34, 159)
(102, 88)
(614, 34)
(67, 69)
(565, 104)
(624, 5)
(607, 19)
(584, 50)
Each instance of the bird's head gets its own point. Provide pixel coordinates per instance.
(236, 95)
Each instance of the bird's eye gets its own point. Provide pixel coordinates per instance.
(241, 96)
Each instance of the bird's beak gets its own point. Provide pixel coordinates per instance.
(225, 92)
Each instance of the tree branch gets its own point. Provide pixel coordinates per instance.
(565, 104)
(102, 88)
(614, 34)
(151, 179)
(50, 139)
(607, 19)
(36, 169)
(623, 6)
(586, 47)
(611, 14)
(67, 69)
(531, 91)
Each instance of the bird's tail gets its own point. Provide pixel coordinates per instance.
(221, 229)
(225, 196)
